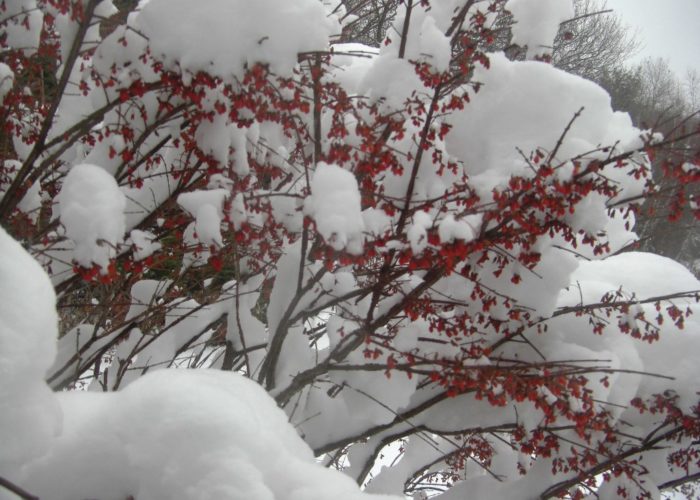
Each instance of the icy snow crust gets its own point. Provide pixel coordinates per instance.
(185, 434)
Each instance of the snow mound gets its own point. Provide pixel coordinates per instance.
(28, 330)
(171, 434)
(184, 434)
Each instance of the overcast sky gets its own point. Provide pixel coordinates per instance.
(666, 28)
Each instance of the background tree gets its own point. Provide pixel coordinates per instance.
(655, 98)
(410, 247)
(594, 41)
(370, 20)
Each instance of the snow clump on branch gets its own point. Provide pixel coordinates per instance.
(222, 37)
(91, 208)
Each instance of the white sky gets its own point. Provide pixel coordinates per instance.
(666, 28)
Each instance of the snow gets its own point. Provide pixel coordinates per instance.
(498, 122)
(144, 244)
(214, 138)
(7, 78)
(287, 210)
(30, 204)
(207, 208)
(29, 415)
(376, 221)
(171, 434)
(434, 45)
(417, 232)
(29, 327)
(20, 25)
(250, 32)
(645, 275)
(208, 225)
(417, 452)
(244, 329)
(335, 205)
(91, 208)
(195, 434)
(390, 81)
(537, 23)
(466, 230)
(67, 25)
(426, 40)
(295, 353)
(238, 213)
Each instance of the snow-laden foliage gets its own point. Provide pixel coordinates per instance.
(422, 246)
(181, 434)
